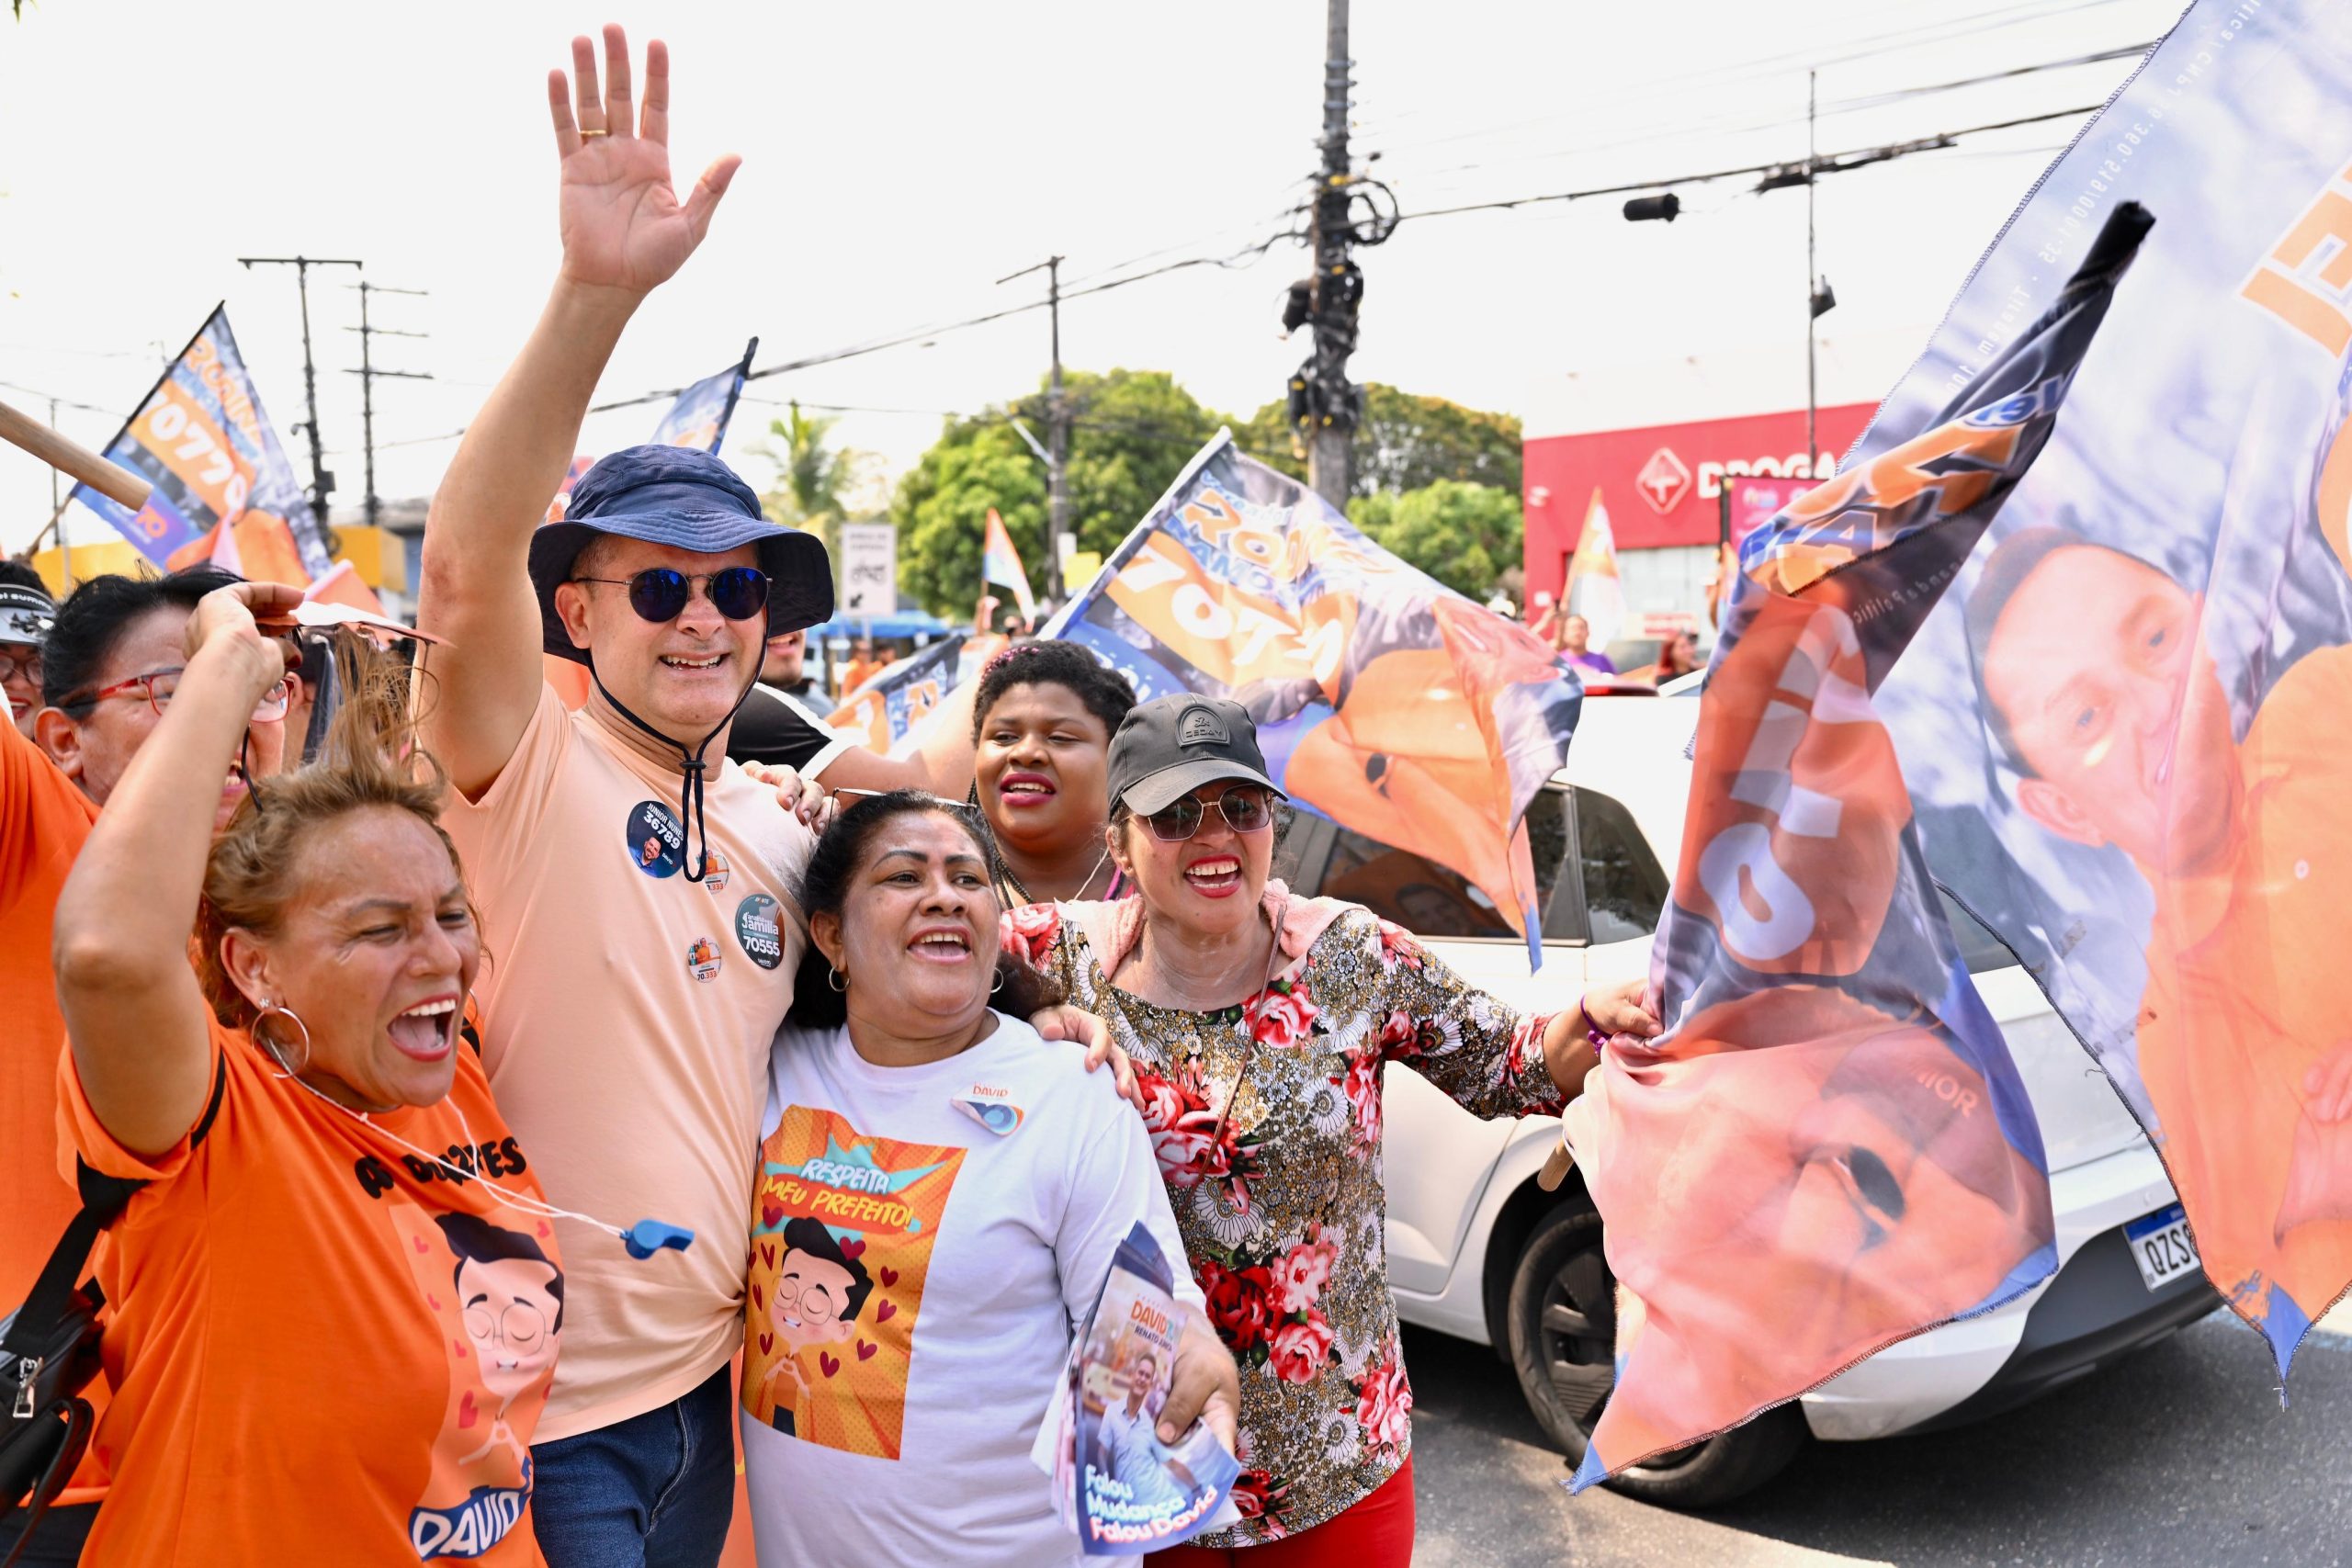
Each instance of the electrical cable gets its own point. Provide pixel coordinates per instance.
(1791, 60)
(1826, 164)
(1733, 124)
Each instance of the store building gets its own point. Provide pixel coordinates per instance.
(1656, 441)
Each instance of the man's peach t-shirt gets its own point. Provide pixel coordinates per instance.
(627, 1014)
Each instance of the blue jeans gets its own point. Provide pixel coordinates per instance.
(655, 1491)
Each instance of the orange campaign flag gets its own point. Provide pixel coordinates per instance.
(342, 586)
(1384, 700)
(1594, 590)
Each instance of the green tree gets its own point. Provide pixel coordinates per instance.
(1131, 432)
(813, 478)
(1404, 443)
(1465, 535)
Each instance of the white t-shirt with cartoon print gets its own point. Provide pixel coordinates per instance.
(924, 1242)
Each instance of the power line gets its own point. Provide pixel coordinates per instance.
(61, 402)
(1765, 68)
(1788, 172)
(1733, 124)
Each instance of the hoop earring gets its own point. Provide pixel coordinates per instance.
(276, 1053)
(836, 980)
(996, 983)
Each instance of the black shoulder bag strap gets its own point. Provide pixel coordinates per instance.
(56, 1328)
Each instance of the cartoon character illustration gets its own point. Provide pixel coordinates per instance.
(494, 1285)
(510, 1296)
(2108, 711)
(815, 1300)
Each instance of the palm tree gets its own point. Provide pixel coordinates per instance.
(810, 475)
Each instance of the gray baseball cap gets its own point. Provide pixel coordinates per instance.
(1170, 747)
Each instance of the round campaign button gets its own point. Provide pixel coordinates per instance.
(657, 840)
(714, 873)
(757, 928)
(702, 959)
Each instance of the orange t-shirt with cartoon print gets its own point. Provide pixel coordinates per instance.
(44, 819)
(325, 1348)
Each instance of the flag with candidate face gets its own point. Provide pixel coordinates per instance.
(1384, 701)
(888, 713)
(2125, 728)
(201, 437)
(699, 416)
(1830, 1148)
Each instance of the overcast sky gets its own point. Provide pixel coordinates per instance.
(899, 158)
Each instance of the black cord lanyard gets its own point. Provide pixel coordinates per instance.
(690, 792)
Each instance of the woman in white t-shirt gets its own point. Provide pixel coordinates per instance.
(939, 1196)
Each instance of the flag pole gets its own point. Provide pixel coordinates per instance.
(110, 480)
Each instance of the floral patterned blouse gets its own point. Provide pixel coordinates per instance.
(1283, 1208)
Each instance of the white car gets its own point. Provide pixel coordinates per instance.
(1476, 1249)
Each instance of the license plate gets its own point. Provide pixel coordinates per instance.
(2160, 1246)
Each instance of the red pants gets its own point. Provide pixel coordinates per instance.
(1377, 1532)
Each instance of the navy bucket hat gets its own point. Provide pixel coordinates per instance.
(687, 499)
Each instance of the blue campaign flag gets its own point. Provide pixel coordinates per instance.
(1830, 1148)
(201, 437)
(699, 416)
(2125, 725)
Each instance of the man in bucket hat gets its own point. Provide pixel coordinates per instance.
(633, 884)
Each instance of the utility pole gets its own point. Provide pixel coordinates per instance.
(1056, 428)
(1323, 402)
(321, 481)
(368, 374)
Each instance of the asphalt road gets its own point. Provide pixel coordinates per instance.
(2177, 1456)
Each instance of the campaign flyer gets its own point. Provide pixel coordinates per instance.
(1125, 1491)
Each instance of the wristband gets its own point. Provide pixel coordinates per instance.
(1593, 1036)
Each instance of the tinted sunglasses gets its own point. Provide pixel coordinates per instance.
(739, 592)
(1245, 811)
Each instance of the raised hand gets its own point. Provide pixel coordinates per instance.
(228, 613)
(623, 224)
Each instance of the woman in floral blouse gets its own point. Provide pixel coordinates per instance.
(1259, 1023)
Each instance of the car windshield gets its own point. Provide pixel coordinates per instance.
(1616, 893)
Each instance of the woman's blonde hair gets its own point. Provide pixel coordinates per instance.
(368, 758)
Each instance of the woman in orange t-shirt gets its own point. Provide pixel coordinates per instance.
(338, 1299)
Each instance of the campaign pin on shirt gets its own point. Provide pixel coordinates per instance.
(758, 931)
(991, 1108)
(702, 959)
(657, 840)
(714, 875)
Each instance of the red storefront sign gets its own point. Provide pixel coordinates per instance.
(1663, 483)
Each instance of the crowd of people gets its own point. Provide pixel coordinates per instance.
(510, 1105)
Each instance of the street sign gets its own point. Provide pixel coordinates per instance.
(869, 568)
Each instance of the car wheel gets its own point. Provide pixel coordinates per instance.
(1562, 1317)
